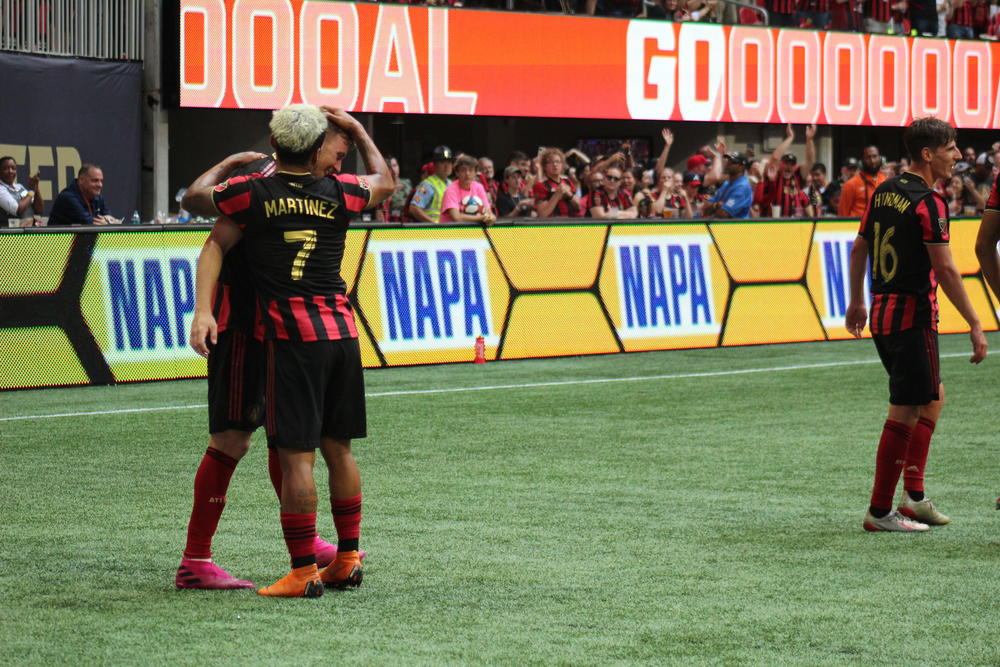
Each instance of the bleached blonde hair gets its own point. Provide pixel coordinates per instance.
(298, 128)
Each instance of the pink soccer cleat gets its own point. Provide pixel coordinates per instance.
(206, 575)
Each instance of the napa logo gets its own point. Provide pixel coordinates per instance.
(664, 285)
(149, 302)
(834, 254)
(434, 294)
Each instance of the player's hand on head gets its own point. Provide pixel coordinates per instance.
(340, 118)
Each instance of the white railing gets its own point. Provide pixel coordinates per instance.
(108, 29)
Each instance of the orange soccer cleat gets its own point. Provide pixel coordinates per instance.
(345, 572)
(301, 582)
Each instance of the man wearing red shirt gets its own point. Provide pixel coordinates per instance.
(787, 187)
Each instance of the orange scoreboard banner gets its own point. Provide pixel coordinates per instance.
(264, 54)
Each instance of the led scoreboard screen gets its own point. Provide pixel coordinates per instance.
(264, 54)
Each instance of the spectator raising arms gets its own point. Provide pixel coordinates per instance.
(554, 195)
(465, 199)
(786, 190)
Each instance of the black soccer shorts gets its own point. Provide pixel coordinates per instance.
(236, 383)
(314, 390)
(911, 359)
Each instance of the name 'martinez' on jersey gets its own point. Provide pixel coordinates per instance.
(294, 230)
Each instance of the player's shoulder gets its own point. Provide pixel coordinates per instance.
(260, 168)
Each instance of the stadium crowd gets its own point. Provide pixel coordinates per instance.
(620, 184)
(572, 184)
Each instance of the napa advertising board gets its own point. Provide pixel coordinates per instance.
(116, 306)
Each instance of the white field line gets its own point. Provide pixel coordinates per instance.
(499, 387)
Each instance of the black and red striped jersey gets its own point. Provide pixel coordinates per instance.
(993, 202)
(903, 216)
(789, 193)
(294, 232)
(962, 15)
(620, 201)
(544, 189)
(782, 6)
(234, 302)
(878, 10)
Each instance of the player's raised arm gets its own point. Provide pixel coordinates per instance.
(379, 175)
(225, 234)
(198, 198)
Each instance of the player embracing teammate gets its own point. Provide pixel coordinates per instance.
(292, 225)
(905, 231)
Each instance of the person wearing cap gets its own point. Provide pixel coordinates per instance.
(734, 196)
(860, 188)
(848, 169)
(511, 203)
(426, 203)
(693, 192)
(787, 187)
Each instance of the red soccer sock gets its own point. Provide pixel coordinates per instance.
(916, 455)
(210, 485)
(274, 470)
(300, 537)
(889, 463)
(347, 519)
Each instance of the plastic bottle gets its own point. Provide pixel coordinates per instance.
(136, 220)
(480, 349)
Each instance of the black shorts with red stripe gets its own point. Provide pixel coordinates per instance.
(314, 390)
(911, 359)
(236, 383)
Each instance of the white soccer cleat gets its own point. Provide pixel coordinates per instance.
(893, 522)
(921, 510)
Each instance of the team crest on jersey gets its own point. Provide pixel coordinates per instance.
(363, 182)
(222, 186)
(943, 225)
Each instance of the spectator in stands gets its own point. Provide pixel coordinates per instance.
(787, 188)
(487, 177)
(782, 13)
(465, 199)
(611, 201)
(923, 17)
(666, 10)
(554, 195)
(391, 209)
(968, 155)
(426, 203)
(735, 196)
(848, 169)
(693, 192)
(817, 190)
(520, 160)
(878, 15)
(595, 182)
(959, 18)
(982, 173)
(963, 198)
(859, 189)
(81, 203)
(669, 200)
(832, 195)
(814, 14)
(16, 201)
(511, 203)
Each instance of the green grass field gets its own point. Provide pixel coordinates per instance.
(708, 517)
